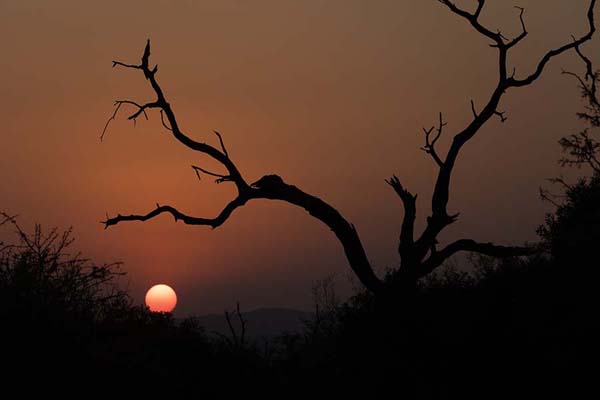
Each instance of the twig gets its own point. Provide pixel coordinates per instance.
(222, 144)
(162, 120)
(220, 178)
(429, 147)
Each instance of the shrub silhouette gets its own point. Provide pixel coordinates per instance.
(66, 318)
(499, 326)
(51, 301)
(572, 232)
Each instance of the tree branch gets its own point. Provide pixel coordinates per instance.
(440, 218)
(589, 70)
(134, 116)
(112, 118)
(118, 63)
(490, 249)
(272, 187)
(239, 342)
(220, 178)
(429, 147)
(512, 82)
(268, 187)
(162, 103)
(162, 121)
(409, 202)
(501, 115)
(590, 91)
(222, 144)
(475, 115)
(524, 32)
(179, 216)
(474, 20)
(582, 149)
(232, 329)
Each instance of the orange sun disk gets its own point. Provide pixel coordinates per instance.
(161, 298)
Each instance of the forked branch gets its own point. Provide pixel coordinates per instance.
(268, 187)
(437, 258)
(440, 218)
(512, 82)
(429, 147)
(179, 216)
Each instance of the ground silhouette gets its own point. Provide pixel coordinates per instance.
(520, 325)
(493, 328)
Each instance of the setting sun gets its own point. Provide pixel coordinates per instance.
(161, 298)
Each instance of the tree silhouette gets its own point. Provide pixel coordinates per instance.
(39, 276)
(571, 233)
(572, 230)
(419, 256)
(581, 148)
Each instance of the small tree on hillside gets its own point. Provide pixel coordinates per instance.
(420, 254)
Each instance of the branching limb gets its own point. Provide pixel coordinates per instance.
(409, 202)
(268, 187)
(581, 150)
(440, 218)
(501, 115)
(550, 197)
(474, 20)
(589, 70)
(561, 181)
(475, 115)
(179, 216)
(512, 82)
(232, 329)
(162, 121)
(589, 90)
(239, 341)
(272, 187)
(118, 63)
(222, 144)
(429, 147)
(438, 257)
(488, 249)
(524, 32)
(166, 111)
(220, 178)
(141, 110)
(112, 118)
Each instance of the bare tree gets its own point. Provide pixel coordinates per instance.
(419, 256)
(238, 341)
(581, 149)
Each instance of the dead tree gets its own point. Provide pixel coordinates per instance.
(420, 255)
(238, 341)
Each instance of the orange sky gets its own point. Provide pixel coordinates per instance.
(330, 94)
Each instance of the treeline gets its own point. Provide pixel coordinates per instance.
(480, 325)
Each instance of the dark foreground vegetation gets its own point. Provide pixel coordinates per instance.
(513, 327)
(479, 326)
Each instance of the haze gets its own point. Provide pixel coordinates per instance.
(331, 95)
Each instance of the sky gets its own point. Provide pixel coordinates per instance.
(330, 94)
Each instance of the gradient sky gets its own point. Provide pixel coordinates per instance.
(330, 94)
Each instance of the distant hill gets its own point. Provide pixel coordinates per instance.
(261, 324)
